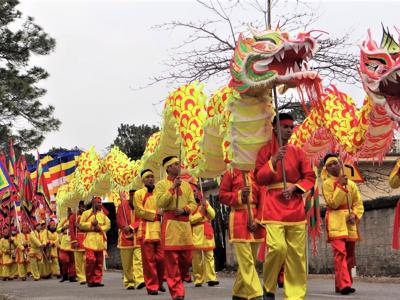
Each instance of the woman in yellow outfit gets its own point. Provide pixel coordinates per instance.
(8, 248)
(203, 241)
(344, 211)
(52, 246)
(22, 258)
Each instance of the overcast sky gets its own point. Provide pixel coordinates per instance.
(105, 49)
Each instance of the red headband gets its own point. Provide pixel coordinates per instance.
(286, 122)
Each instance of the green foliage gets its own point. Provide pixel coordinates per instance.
(22, 116)
(132, 139)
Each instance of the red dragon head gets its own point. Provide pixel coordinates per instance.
(380, 72)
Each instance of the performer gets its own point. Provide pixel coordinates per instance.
(129, 244)
(203, 240)
(150, 234)
(283, 210)
(77, 236)
(236, 190)
(66, 257)
(52, 246)
(344, 211)
(8, 249)
(22, 258)
(176, 198)
(36, 252)
(95, 223)
(14, 265)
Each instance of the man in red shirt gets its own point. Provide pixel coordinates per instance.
(283, 212)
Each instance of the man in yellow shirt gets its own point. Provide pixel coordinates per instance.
(95, 223)
(66, 257)
(129, 244)
(150, 233)
(176, 199)
(344, 211)
(203, 240)
(77, 237)
(22, 258)
(8, 248)
(36, 251)
(52, 248)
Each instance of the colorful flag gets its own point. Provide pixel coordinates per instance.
(12, 165)
(5, 180)
(25, 185)
(41, 182)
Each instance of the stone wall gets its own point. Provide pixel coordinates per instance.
(374, 254)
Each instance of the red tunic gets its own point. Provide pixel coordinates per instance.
(230, 194)
(76, 234)
(126, 217)
(275, 209)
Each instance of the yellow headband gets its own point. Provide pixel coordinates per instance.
(331, 159)
(147, 173)
(171, 162)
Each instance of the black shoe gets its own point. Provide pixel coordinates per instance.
(269, 296)
(72, 279)
(153, 293)
(280, 285)
(352, 290)
(141, 285)
(188, 280)
(212, 283)
(99, 284)
(131, 287)
(198, 285)
(162, 289)
(346, 290)
(23, 278)
(179, 298)
(58, 276)
(82, 283)
(64, 278)
(91, 284)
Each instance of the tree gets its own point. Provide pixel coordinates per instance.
(132, 139)
(195, 60)
(22, 116)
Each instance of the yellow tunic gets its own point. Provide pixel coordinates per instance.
(96, 241)
(146, 209)
(338, 199)
(394, 177)
(176, 230)
(52, 239)
(36, 241)
(9, 250)
(199, 230)
(22, 240)
(64, 237)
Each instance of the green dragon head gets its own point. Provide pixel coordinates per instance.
(271, 58)
(380, 72)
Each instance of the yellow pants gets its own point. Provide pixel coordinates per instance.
(36, 265)
(23, 270)
(14, 270)
(203, 266)
(131, 260)
(247, 284)
(55, 267)
(45, 267)
(286, 245)
(80, 265)
(8, 271)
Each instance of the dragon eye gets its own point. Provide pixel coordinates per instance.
(371, 66)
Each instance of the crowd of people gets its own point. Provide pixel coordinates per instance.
(164, 229)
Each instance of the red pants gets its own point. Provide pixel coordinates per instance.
(94, 266)
(67, 263)
(153, 265)
(177, 263)
(344, 261)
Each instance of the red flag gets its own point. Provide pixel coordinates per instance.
(41, 183)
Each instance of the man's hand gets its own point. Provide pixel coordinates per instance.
(160, 212)
(179, 211)
(126, 229)
(351, 219)
(288, 192)
(94, 223)
(74, 245)
(245, 193)
(177, 182)
(279, 155)
(252, 227)
(343, 180)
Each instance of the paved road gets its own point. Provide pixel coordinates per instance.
(319, 287)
